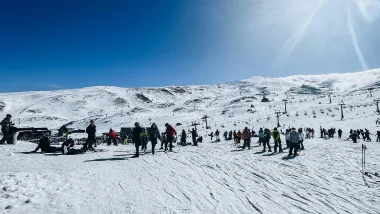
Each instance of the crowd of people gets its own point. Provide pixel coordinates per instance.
(140, 137)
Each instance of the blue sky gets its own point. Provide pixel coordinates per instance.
(57, 44)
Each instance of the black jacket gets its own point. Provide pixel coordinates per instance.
(136, 135)
(5, 125)
(91, 130)
(154, 133)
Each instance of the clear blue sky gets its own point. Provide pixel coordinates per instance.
(51, 44)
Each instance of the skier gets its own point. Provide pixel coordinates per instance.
(230, 135)
(261, 136)
(358, 133)
(277, 140)
(44, 145)
(266, 140)
(322, 132)
(294, 140)
(194, 135)
(367, 135)
(301, 139)
(136, 138)
(378, 136)
(312, 133)
(217, 135)
(340, 133)
(154, 133)
(183, 138)
(247, 138)
(91, 136)
(112, 137)
(307, 133)
(170, 133)
(225, 135)
(6, 124)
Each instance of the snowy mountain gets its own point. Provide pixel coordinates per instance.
(213, 177)
(113, 107)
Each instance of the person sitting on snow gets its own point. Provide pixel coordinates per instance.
(44, 145)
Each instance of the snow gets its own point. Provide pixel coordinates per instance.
(214, 178)
(211, 178)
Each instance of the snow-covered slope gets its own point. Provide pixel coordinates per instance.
(114, 107)
(211, 178)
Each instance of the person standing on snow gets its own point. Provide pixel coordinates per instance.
(287, 138)
(266, 140)
(378, 136)
(247, 138)
(225, 135)
(294, 141)
(261, 136)
(230, 135)
(91, 136)
(194, 136)
(170, 133)
(340, 133)
(6, 124)
(301, 139)
(136, 138)
(239, 136)
(217, 135)
(367, 135)
(183, 138)
(277, 140)
(154, 133)
(112, 138)
(144, 140)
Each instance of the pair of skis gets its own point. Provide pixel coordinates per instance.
(374, 176)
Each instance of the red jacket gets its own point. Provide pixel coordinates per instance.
(170, 131)
(112, 134)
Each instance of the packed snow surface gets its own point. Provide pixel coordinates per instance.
(210, 178)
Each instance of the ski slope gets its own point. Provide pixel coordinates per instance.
(211, 178)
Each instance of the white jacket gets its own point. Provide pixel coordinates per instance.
(301, 136)
(287, 136)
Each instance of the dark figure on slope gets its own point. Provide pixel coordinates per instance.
(136, 138)
(266, 140)
(340, 133)
(366, 134)
(378, 136)
(154, 134)
(6, 124)
(183, 138)
(294, 140)
(277, 140)
(247, 138)
(91, 136)
(44, 145)
(194, 136)
(353, 137)
(170, 133)
(217, 135)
